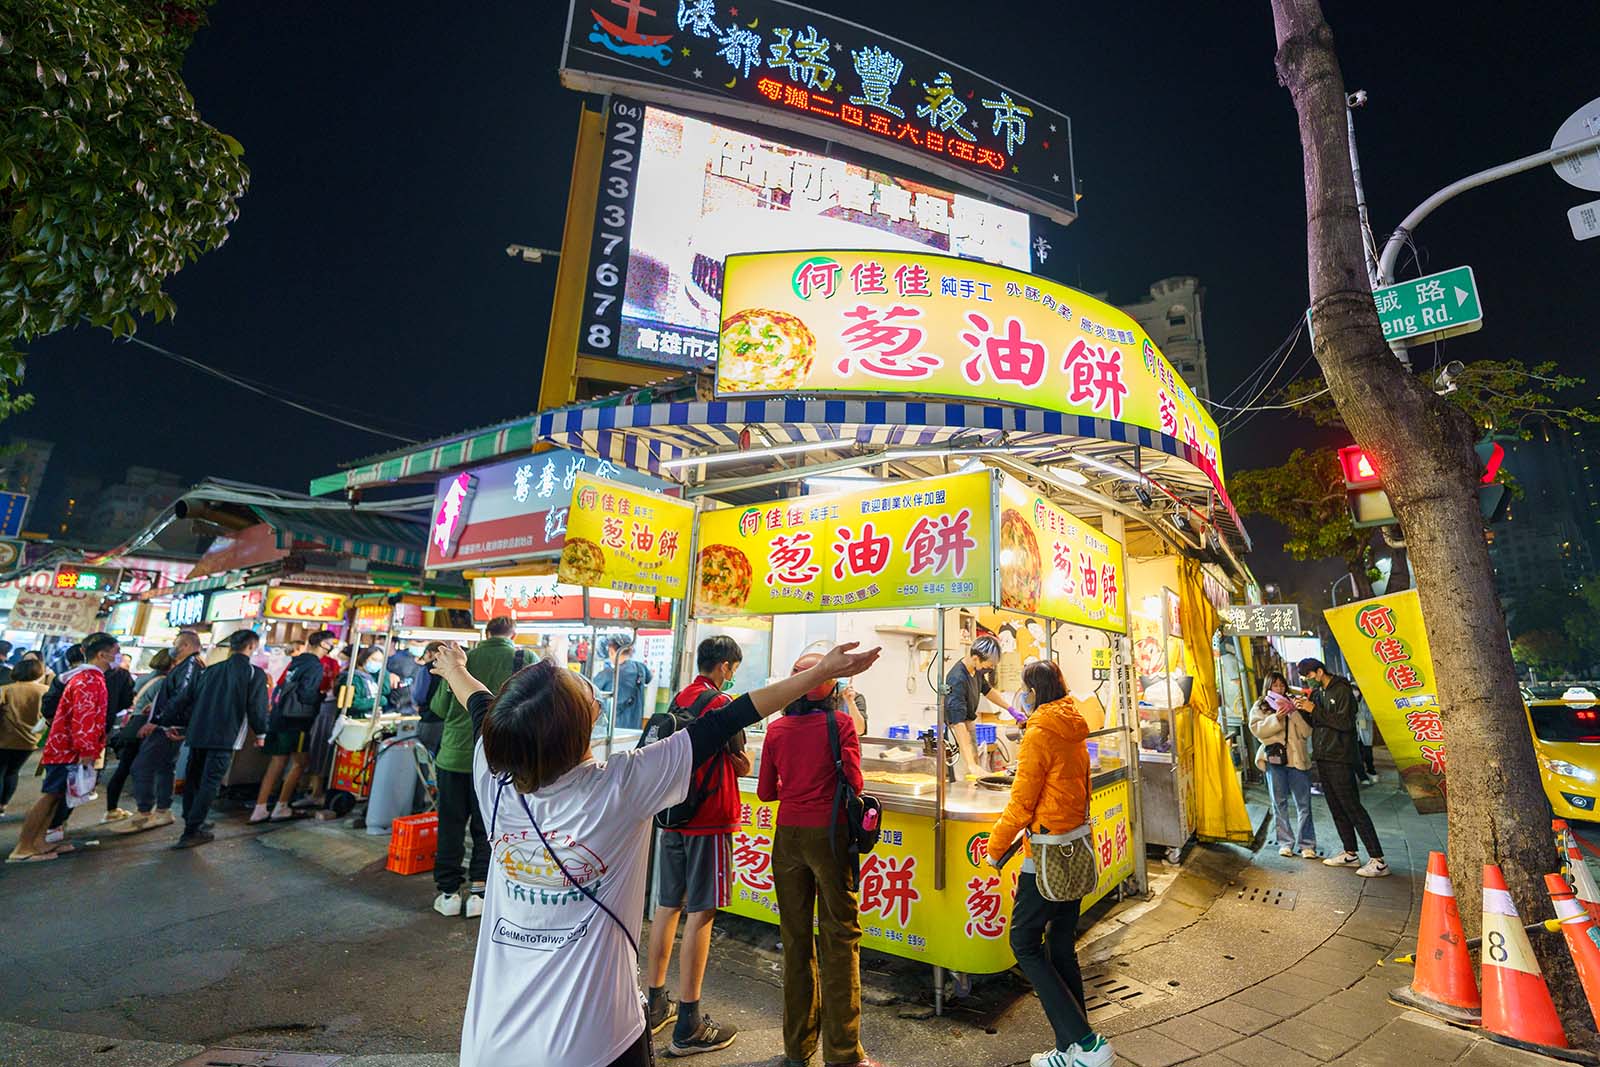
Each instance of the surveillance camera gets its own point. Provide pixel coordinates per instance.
(1356, 99)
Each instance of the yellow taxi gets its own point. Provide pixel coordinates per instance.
(1566, 738)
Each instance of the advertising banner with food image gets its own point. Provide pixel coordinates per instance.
(1054, 564)
(912, 544)
(927, 324)
(627, 539)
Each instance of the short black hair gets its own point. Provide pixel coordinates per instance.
(321, 637)
(5, 648)
(74, 655)
(715, 651)
(501, 626)
(240, 640)
(97, 643)
(1310, 665)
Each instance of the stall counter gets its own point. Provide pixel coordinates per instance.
(962, 927)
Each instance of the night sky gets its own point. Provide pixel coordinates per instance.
(396, 150)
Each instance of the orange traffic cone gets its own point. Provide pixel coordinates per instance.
(1442, 985)
(1517, 1009)
(1577, 870)
(1579, 929)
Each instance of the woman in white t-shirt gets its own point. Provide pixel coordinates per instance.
(555, 980)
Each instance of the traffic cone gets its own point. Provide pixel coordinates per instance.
(1579, 929)
(1517, 1009)
(1442, 985)
(1583, 883)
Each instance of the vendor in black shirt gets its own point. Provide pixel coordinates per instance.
(972, 678)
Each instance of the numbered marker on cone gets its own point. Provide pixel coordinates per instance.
(1517, 1009)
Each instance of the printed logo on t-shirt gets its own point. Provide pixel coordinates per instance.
(527, 865)
(509, 933)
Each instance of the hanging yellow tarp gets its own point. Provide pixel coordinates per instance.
(1220, 814)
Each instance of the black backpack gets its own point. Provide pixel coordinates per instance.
(851, 808)
(662, 725)
(52, 700)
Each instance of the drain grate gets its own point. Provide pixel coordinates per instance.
(1277, 898)
(260, 1057)
(1106, 995)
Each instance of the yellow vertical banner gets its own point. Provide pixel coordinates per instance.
(1054, 564)
(629, 539)
(1386, 646)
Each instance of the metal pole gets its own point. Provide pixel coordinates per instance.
(942, 769)
(1391, 250)
(1128, 712)
(1353, 101)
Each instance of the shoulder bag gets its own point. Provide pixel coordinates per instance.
(860, 814)
(1066, 865)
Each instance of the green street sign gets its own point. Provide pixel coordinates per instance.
(1428, 309)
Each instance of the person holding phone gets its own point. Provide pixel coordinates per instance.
(1285, 758)
(1050, 796)
(555, 976)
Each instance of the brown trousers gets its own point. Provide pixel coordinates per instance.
(807, 877)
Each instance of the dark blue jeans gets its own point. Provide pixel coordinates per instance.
(1042, 936)
(152, 772)
(207, 766)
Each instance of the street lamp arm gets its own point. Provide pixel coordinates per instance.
(1391, 249)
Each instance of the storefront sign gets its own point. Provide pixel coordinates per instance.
(373, 618)
(515, 509)
(1054, 564)
(59, 612)
(913, 544)
(305, 605)
(541, 599)
(966, 925)
(231, 605)
(1261, 620)
(773, 62)
(1386, 646)
(126, 618)
(626, 539)
(933, 325)
(101, 580)
(188, 609)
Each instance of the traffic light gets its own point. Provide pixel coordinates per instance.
(1369, 504)
(1492, 498)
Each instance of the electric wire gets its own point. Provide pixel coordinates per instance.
(231, 379)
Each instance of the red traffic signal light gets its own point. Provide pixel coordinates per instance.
(1490, 455)
(1358, 467)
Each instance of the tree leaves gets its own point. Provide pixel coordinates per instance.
(110, 181)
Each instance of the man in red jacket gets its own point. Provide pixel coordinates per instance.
(696, 866)
(77, 738)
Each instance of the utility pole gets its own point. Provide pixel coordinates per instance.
(1368, 242)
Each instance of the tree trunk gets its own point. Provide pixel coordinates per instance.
(1496, 807)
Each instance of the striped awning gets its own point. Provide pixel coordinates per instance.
(361, 535)
(201, 585)
(461, 450)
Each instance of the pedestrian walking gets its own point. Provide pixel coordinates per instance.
(696, 859)
(430, 727)
(557, 813)
(228, 697)
(319, 743)
(20, 725)
(813, 873)
(492, 662)
(296, 700)
(1050, 796)
(1285, 758)
(126, 738)
(77, 739)
(161, 737)
(624, 678)
(1332, 708)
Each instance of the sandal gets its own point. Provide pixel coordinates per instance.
(37, 857)
(61, 848)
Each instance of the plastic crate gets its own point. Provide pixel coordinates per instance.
(985, 733)
(413, 843)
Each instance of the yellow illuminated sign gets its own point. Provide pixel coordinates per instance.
(1054, 564)
(928, 324)
(628, 539)
(911, 544)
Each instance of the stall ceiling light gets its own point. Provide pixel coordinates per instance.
(1127, 474)
(754, 453)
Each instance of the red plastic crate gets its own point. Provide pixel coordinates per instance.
(413, 843)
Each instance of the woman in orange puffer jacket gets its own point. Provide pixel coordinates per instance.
(1051, 796)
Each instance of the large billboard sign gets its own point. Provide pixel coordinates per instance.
(777, 63)
(917, 323)
(679, 193)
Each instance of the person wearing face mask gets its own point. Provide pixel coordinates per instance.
(372, 682)
(492, 662)
(971, 679)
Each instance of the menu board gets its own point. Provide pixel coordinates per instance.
(627, 539)
(1054, 564)
(911, 544)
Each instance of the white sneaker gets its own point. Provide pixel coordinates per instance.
(474, 905)
(447, 904)
(259, 814)
(1374, 869)
(1092, 1051)
(1285, 850)
(1342, 859)
(56, 836)
(1308, 853)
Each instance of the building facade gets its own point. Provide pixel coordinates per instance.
(1550, 535)
(1174, 317)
